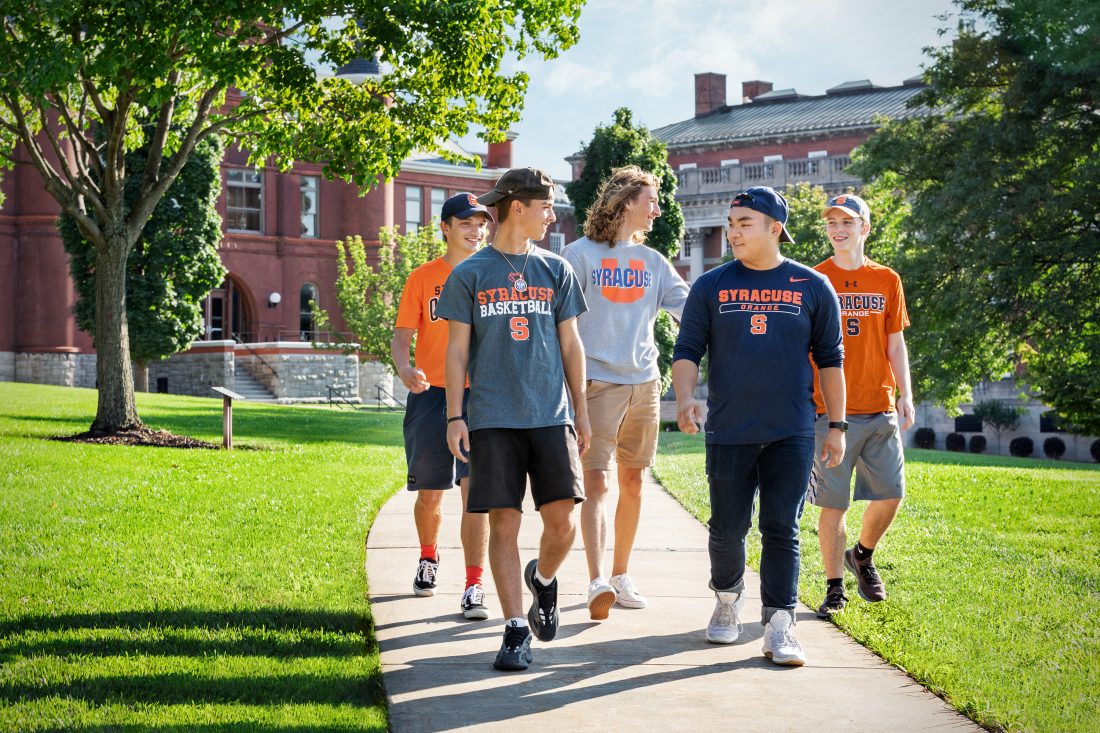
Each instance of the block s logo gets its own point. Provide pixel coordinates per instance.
(520, 331)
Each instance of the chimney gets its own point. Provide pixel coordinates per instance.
(750, 90)
(500, 154)
(710, 93)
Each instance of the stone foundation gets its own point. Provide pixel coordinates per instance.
(294, 372)
(7, 366)
(379, 386)
(206, 364)
(57, 368)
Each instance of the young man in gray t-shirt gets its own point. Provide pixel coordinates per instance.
(512, 310)
(625, 284)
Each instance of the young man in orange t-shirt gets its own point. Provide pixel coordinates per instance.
(431, 467)
(876, 365)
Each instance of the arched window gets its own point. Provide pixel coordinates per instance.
(307, 326)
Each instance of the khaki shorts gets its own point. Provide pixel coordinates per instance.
(624, 419)
(872, 450)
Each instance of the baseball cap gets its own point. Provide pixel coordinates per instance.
(463, 205)
(521, 182)
(851, 204)
(766, 200)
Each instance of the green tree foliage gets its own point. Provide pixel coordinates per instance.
(173, 266)
(369, 296)
(999, 416)
(1004, 172)
(80, 78)
(614, 146)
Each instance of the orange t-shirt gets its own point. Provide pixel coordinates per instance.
(872, 306)
(417, 311)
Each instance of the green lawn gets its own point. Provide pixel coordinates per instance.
(993, 571)
(189, 590)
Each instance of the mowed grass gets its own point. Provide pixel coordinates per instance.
(993, 573)
(189, 590)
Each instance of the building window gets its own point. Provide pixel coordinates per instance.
(1049, 423)
(968, 424)
(244, 191)
(414, 197)
(557, 241)
(731, 161)
(688, 166)
(309, 206)
(439, 195)
(772, 158)
(817, 154)
(307, 325)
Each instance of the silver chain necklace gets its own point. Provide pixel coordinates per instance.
(518, 282)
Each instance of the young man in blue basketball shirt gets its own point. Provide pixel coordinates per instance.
(758, 317)
(512, 310)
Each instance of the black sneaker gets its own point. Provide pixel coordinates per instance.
(543, 615)
(834, 602)
(473, 604)
(424, 584)
(515, 651)
(868, 583)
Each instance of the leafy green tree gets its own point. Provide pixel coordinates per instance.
(999, 416)
(613, 146)
(173, 266)
(369, 296)
(1004, 173)
(79, 78)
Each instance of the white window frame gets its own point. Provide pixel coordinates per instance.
(557, 242)
(730, 161)
(818, 154)
(688, 166)
(773, 158)
(412, 225)
(311, 208)
(244, 178)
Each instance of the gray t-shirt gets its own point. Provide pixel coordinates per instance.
(517, 379)
(624, 287)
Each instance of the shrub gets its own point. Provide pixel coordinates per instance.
(977, 444)
(1054, 447)
(1094, 450)
(955, 442)
(670, 426)
(926, 438)
(1021, 447)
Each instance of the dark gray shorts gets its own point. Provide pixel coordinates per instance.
(872, 450)
(431, 464)
(502, 459)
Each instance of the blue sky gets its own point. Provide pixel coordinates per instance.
(644, 54)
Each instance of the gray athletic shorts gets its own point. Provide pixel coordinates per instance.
(430, 462)
(872, 450)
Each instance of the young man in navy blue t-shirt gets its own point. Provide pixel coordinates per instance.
(758, 317)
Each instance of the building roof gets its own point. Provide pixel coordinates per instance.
(851, 106)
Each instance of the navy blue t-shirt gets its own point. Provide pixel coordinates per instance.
(758, 327)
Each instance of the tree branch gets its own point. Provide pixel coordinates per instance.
(76, 132)
(160, 135)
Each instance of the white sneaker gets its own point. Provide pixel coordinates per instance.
(627, 595)
(601, 597)
(780, 646)
(725, 622)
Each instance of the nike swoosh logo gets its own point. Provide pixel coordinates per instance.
(799, 279)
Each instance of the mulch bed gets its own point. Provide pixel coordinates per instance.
(138, 436)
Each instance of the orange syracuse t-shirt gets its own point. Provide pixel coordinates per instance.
(417, 311)
(872, 306)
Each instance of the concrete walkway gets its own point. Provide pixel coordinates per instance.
(645, 669)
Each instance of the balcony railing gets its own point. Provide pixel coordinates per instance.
(829, 172)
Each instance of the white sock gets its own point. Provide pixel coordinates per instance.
(516, 623)
(542, 581)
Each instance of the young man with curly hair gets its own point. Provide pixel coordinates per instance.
(512, 310)
(625, 284)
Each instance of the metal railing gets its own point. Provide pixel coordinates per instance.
(336, 399)
(829, 171)
(242, 342)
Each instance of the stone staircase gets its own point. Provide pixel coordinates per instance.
(246, 385)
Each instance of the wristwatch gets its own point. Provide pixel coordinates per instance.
(842, 426)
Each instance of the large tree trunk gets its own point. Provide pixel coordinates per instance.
(116, 410)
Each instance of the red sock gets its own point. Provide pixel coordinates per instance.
(427, 552)
(473, 575)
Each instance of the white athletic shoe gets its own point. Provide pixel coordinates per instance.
(601, 597)
(725, 622)
(626, 594)
(780, 646)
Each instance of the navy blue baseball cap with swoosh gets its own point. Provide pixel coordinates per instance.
(768, 201)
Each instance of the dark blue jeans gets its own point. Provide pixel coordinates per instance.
(781, 471)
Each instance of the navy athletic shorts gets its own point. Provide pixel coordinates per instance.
(431, 464)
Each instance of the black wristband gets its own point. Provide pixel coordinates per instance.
(453, 419)
(841, 425)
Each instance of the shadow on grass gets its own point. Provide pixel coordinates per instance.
(255, 423)
(240, 727)
(199, 634)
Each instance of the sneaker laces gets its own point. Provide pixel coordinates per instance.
(870, 573)
(547, 602)
(626, 585)
(727, 617)
(427, 570)
(514, 636)
(474, 596)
